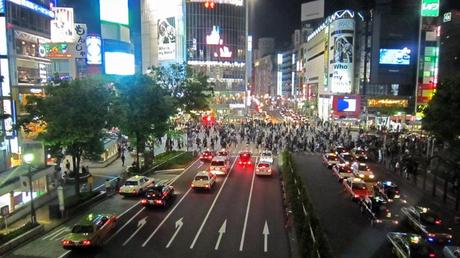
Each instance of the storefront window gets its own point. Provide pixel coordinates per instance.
(27, 48)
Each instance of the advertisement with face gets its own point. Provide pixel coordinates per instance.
(341, 64)
(167, 38)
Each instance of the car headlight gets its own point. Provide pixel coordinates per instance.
(371, 176)
(361, 175)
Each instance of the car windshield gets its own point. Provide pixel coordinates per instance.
(217, 163)
(198, 178)
(131, 183)
(79, 229)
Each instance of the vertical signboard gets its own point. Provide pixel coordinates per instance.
(94, 50)
(167, 38)
(430, 8)
(80, 40)
(341, 36)
(62, 27)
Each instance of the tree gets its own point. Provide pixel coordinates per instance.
(191, 89)
(75, 114)
(146, 108)
(442, 118)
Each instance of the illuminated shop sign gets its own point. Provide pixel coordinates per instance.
(214, 37)
(233, 2)
(2, 6)
(94, 48)
(55, 50)
(387, 103)
(430, 8)
(34, 7)
(62, 27)
(80, 40)
(5, 72)
(224, 52)
(3, 45)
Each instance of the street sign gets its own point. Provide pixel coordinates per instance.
(430, 8)
(5, 211)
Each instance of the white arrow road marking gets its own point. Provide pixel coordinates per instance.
(247, 213)
(265, 232)
(57, 232)
(221, 233)
(212, 206)
(167, 216)
(179, 225)
(140, 224)
(126, 224)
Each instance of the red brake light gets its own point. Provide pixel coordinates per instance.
(86, 242)
(144, 201)
(66, 242)
(437, 222)
(432, 255)
(158, 201)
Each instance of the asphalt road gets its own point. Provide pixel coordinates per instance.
(349, 232)
(229, 221)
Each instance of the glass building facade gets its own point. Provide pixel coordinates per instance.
(216, 44)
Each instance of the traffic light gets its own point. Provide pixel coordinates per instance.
(209, 5)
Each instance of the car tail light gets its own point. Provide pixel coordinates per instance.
(66, 242)
(86, 242)
(249, 162)
(240, 162)
(144, 201)
(257, 170)
(437, 222)
(356, 196)
(432, 255)
(158, 201)
(269, 170)
(207, 186)
(222, 169)
(192, 185)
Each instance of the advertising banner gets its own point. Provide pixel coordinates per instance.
(312, 10)
(430, 8)
(167, 39)
(94, 50)
(115, 11)
(55, 50)
(346, 106)
(80, 40)
(62, 27)
(341, 36)
(2, 6)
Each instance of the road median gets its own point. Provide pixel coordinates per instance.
(311, 240)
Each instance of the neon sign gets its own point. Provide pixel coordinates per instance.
(214, 37)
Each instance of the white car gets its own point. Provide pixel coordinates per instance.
(219, 165)
(204, 180)
(266, 156)
(136, 185)
(264, 169)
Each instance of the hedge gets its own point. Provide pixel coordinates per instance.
(173, 160)
(303, 221)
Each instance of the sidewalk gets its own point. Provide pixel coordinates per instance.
(100, 174)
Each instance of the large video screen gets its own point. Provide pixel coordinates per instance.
(345, 104)
(115, 11)
(119, 63)
(395, 56)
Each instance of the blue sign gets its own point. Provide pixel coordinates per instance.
(34, 7)
(2, 6)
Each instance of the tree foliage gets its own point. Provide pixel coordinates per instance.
(442, 117)
(146, 108)
(190, 88)
(75, 114)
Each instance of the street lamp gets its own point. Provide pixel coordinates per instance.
(28, 159)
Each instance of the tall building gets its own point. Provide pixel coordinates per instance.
(449, 53)
(207, 35)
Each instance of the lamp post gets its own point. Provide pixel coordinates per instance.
(28, 159)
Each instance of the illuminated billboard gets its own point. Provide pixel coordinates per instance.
(341, 62)
(167, 38)
(395, 56)
(62, 27)
(115, 11)
(119, 63)
(430, 8)
(55, 50)
(2, 6)
(346, 106)
(94, 50)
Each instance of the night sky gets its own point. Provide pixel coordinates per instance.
(279, 18)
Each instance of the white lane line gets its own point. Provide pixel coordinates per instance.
(166, 218)
(185, 170)
(55, 232)
(212, 206)
(247, 213)
(126, 211)
(56, 236)
(126, 224)
(64, 254)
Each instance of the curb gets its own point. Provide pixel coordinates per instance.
(15, 242)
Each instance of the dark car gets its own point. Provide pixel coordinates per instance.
(410, 245)
(159, 195)
(378, 211)
(387, 190)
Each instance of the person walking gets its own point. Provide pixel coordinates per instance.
(122, 157)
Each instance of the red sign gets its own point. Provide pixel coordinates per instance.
(346, 106)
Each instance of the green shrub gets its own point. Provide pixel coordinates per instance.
(178, 160)
(16, 232)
